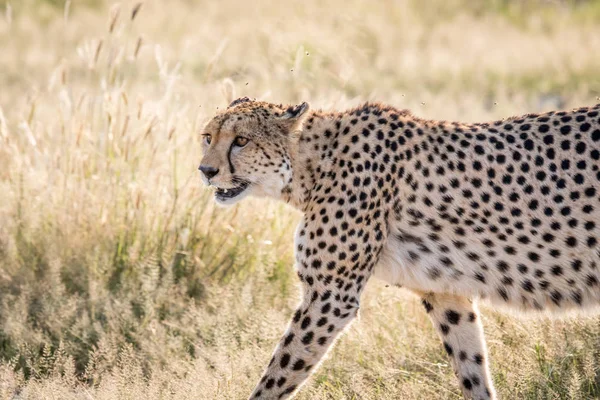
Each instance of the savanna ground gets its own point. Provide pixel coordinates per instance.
(119, 279)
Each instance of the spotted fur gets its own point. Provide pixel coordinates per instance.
(506, 211)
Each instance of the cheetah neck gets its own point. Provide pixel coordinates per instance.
(310, 155)
(315, 148)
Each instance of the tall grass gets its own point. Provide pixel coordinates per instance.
(118, 276)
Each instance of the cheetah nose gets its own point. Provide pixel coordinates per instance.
(208, 171)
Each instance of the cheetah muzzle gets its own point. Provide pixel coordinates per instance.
(506, 211)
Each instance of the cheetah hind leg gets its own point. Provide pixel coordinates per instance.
(457, 322)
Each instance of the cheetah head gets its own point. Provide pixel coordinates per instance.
(247, 149)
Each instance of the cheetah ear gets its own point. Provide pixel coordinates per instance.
(294, 116)
(239, 101)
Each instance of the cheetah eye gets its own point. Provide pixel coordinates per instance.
(241, 141)
(207, 138)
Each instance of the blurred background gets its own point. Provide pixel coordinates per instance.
(119, 279)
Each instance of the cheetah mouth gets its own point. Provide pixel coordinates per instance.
(224, 194)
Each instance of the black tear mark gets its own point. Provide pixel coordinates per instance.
(231, 168)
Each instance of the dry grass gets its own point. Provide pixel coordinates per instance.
(118, 277)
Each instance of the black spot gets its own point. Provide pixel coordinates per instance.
(285, 360)
(556, 297)
(448, 348)
(288, 391)
(453, 317)
(565, 130)
(503, 293)
(557, 270)
(571, 241)
(427, 305)
(305, 322)
(307, 339)
(527, 286)
(298, 365)
(467, 384)
(288, 339)
(445, 329)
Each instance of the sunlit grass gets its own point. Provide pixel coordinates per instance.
(119, 278)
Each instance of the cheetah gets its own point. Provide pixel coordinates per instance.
(506, 211)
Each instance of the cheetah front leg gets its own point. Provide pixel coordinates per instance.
(333, 272)
(457, 321)
(311, 332)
